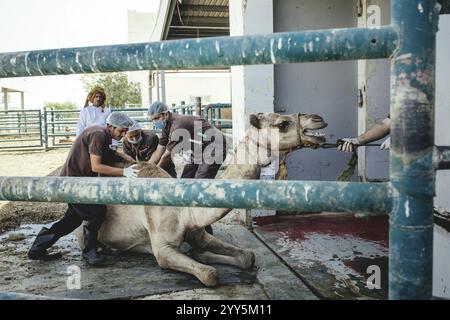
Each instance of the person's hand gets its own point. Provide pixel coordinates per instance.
(386, 145)
(348, 144)
(131, 171)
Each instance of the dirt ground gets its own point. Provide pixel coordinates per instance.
(12, 214)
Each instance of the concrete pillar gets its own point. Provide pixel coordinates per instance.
(252, 87)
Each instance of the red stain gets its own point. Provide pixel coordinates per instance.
(374, 228)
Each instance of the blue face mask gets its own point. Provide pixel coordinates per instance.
(160, 124)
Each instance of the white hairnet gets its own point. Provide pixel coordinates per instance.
(119, 120)
(157, 107)
(134, 127)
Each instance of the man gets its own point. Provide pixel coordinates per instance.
(141, 144)
(86, 157)
(377, 131)
(94, 114)
(203, 146)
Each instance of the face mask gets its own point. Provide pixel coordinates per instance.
(160, 124)
(134, 141)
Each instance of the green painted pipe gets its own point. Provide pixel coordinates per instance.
(412, 171)
(287, 47)
(281, 195)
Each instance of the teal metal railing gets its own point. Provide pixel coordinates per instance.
(409, 43)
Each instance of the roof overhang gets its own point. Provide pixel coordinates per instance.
(181, 19)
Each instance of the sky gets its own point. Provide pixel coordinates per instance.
(47, 24)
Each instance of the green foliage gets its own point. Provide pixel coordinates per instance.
(119, 91)
(349, 170)
(61, 105)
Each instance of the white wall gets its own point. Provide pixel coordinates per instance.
(213, 87)
(252, 86)
(328, 89)
(441, 260)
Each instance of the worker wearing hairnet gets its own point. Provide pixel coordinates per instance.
(86, 158)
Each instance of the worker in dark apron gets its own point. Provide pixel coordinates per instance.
(202, 146)
(141, 144)
(86, 158)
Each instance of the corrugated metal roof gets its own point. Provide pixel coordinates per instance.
(198, 18)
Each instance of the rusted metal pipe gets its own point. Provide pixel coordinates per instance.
(286, 47)
(281, 195)
(411, 155)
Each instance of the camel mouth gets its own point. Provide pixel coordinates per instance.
(315, 137)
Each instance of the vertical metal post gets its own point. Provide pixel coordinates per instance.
(45, 130)
(5, 99)
(411, 163)
(198, 106)
(22, 101)
(40, 128)
(52, 112)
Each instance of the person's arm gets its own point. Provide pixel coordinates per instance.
(98, 167)
(377, 131)
(158, 154)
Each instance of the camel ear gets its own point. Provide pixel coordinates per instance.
(254, 120)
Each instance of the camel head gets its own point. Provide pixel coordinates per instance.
(294, 131)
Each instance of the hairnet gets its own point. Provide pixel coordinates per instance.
(157, 107)
(134, 127)
(119, 120)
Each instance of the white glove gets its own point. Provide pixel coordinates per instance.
(348, 145)
(131, 171)
(386, 145)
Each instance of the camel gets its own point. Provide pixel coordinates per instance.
(161, 231)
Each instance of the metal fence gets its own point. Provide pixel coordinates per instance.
(409, 42)
(21, 130)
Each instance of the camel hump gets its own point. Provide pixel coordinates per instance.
(150, 170)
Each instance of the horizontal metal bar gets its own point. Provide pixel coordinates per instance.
(19, 134)
(61, 122)
(18, 111)
(277, 48)
(56, 134)
(19, 140)
(281, 195)
(442, 157)
(20, 147)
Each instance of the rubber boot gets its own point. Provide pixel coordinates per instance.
(90, 254)
(44, 240)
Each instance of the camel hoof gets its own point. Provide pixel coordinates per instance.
(209, 277)
(247, 259)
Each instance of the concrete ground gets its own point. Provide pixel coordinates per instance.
(130, 276)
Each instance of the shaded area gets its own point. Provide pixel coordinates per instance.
(331, 252)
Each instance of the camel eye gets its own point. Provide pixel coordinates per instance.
(283, 125)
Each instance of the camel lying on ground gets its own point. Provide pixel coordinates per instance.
(162, 230)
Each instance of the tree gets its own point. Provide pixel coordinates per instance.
(119, 91)
(67, 105)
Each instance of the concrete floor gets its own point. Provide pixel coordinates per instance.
(137, 276)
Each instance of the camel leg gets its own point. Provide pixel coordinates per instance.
(208, 257)
(169, 257)
(203, 241)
